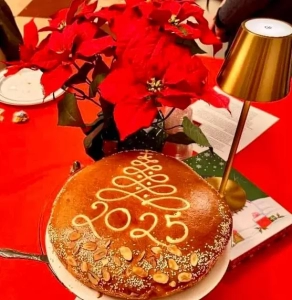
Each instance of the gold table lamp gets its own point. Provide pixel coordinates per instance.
(257, 68)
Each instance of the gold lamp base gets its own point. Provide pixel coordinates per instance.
(233, 194)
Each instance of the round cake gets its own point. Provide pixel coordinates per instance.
(139, 225)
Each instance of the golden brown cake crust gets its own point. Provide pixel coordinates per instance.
(139, 225)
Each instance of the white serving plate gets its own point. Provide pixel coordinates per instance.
(24, 88)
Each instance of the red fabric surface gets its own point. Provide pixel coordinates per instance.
(35, 159)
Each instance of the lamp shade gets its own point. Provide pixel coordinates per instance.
(259, 63)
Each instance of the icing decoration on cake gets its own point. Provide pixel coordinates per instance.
(143, 176)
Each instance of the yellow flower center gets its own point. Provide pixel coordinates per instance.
(62, 25)
(174, 20)
(154, 85)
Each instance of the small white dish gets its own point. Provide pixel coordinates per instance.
(204, 287)
(24, 88)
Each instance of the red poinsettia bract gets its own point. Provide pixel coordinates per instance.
(66, 16)
(57, 54)
(153, 47)
(137, 95)
(27, 50)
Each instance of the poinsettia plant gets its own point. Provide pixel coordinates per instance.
(136, 58)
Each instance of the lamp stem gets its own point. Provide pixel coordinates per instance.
(234, 146)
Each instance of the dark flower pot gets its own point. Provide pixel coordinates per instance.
(103, 139)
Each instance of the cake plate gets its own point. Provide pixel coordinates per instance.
(204, 287)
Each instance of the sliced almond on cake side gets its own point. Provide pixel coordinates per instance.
(140, 272)
(90, 246)
(160, 278)
(184, 277)
(71, 245)
(93, 278)
(140, 256)
(174, 250)
(76, 249)
(105, 261)
(100, 254)
(126, 253)
(107, 243)
(156, 250)
(194, 259)
(117, 261)
(71, 261)
(106, 276)
(172, 284)
(84, 267)
(74, 236)
(172, 264)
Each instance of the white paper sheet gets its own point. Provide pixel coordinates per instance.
(219, 125)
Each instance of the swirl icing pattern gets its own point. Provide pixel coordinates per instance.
(145, 176)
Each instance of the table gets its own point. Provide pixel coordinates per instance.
(35, 159)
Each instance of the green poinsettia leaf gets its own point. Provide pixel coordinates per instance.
(195, 133)
(68, 112)
(95, 83)
(179, 138)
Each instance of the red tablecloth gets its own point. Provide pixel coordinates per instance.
(35, 159)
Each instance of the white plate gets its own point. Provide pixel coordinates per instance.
(83, 292)
(24, 88)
